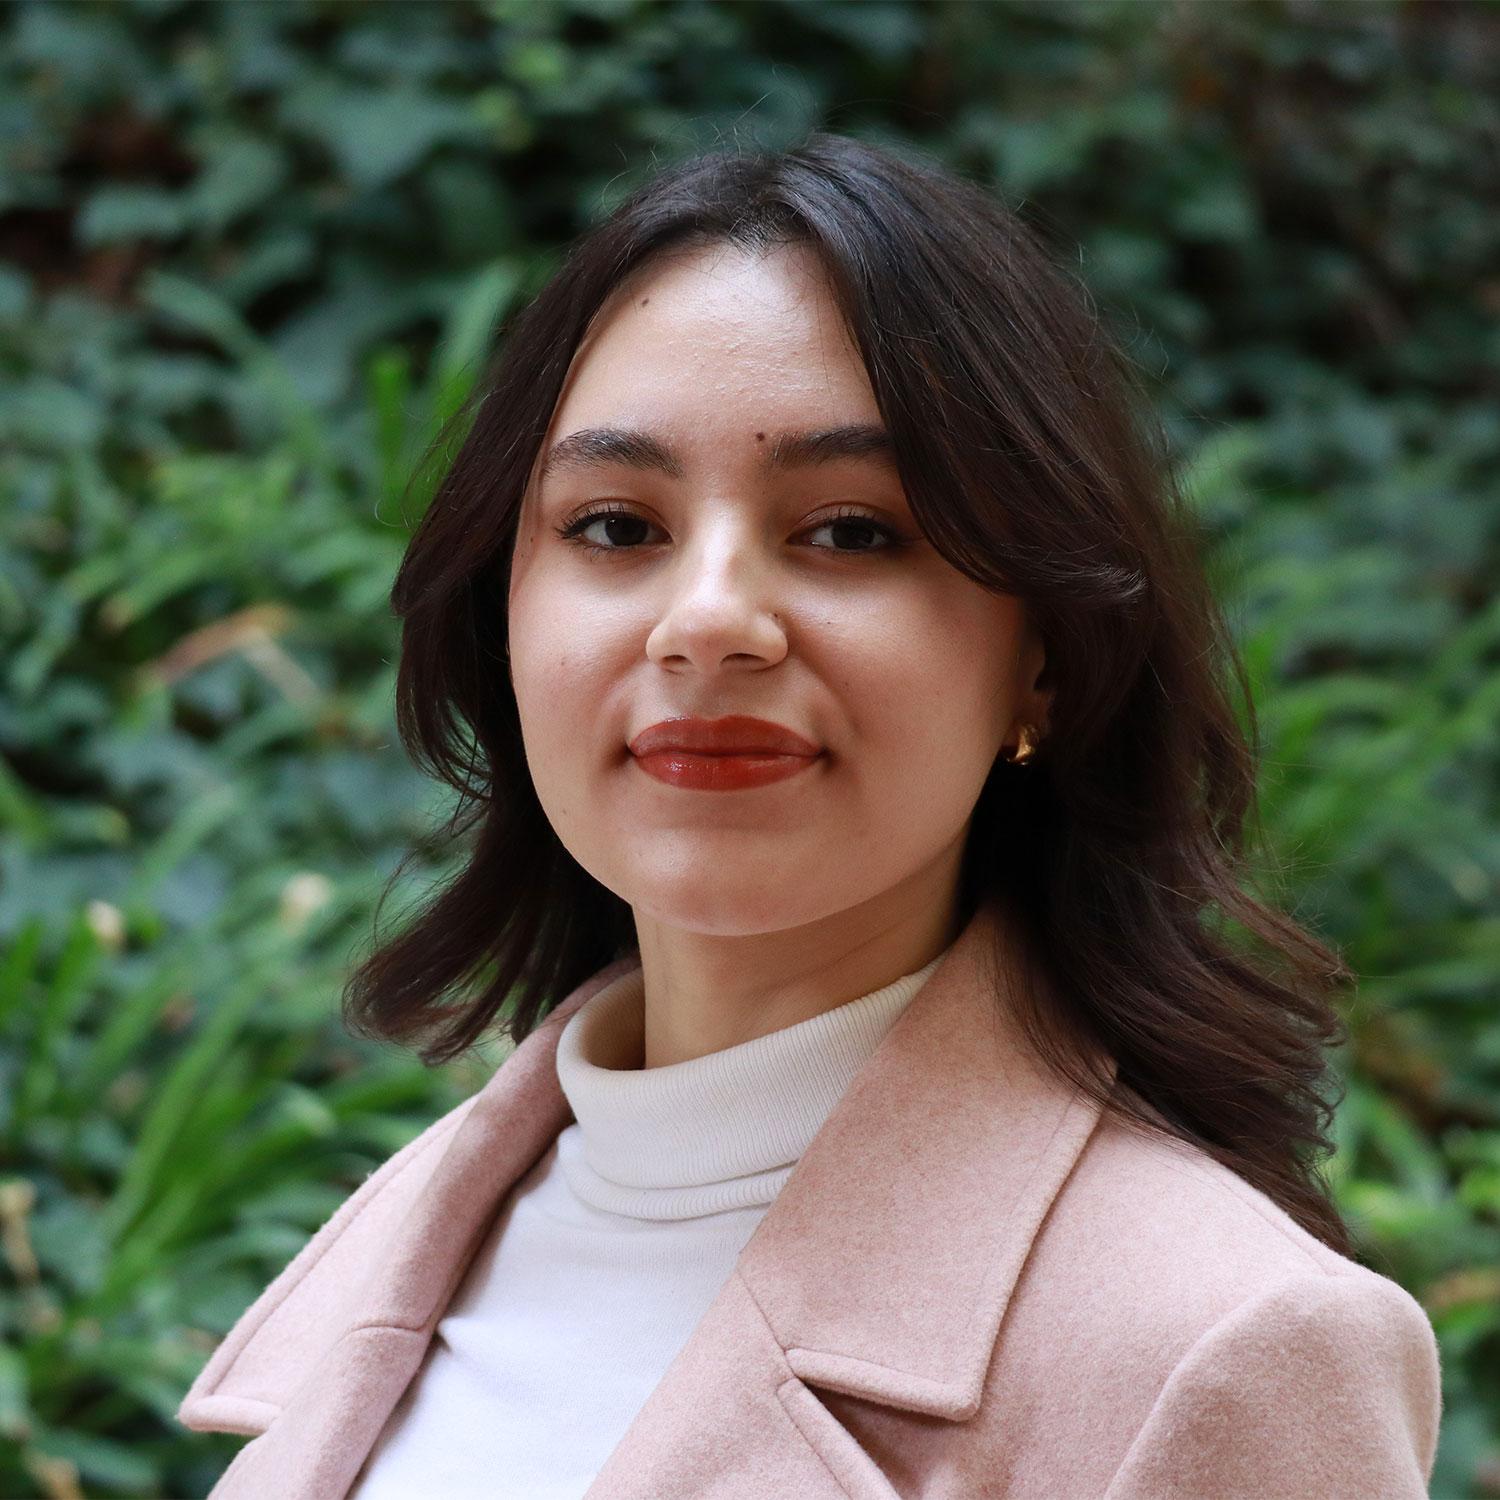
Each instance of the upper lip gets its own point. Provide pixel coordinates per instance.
(734, 735)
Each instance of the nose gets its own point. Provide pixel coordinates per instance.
(716, 613)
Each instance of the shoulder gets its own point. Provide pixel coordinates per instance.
(336, 1262)
(327, 1288)
(1171, 1206)
(1324, 1384)
(1258, 1360)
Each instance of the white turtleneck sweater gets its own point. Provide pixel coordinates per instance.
(611, 1248)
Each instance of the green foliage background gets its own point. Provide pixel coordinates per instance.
(252, 254)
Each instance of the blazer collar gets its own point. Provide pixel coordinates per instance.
(922, 1193)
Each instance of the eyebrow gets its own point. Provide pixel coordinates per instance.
(797, 449)
(598, 447)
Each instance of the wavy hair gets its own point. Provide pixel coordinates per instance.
(1031, 461)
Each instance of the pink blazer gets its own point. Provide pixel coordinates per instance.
(972, 1285)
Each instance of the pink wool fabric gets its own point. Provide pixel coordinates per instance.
(974, 1284)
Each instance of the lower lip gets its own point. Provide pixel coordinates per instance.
(721, 773)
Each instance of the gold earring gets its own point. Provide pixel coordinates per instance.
(1027, 740)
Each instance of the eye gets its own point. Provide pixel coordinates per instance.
(854, 532)
(609, 530)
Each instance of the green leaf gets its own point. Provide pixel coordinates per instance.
(15, 1409)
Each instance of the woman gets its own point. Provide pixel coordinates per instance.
(854, 789)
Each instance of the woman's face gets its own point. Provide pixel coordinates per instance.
(752, 695)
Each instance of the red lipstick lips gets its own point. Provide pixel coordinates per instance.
(721, 755)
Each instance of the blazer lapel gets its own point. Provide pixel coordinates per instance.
(884, 1267)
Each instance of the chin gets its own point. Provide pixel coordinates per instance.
(742, 902)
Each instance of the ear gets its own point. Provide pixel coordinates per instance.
(1034, 686)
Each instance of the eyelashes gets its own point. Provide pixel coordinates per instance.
(605, 516)
(850, 521)
(621, 529)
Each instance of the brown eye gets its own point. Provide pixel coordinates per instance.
(611, 531)
(853, 534)
(620, 531)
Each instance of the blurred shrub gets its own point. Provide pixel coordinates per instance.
(251, 255)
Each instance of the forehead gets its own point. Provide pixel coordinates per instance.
(716, 335)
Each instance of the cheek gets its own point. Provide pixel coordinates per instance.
(555, 661)
(937, 689)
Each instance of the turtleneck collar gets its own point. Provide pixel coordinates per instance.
(717, 1132)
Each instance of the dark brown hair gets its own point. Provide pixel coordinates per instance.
(1028, 460)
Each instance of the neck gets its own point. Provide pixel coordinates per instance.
(706, 991)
